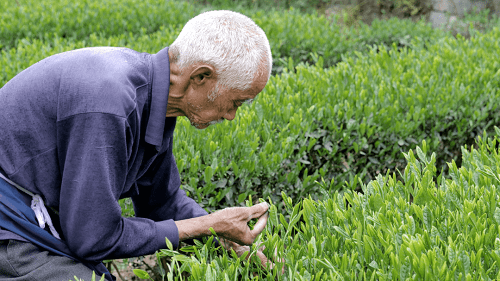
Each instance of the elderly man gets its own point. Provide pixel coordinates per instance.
(82, 129)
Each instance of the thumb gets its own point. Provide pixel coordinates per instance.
(260, 225)
(258, 210)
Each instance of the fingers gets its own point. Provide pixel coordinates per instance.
(240, 250)
(264, 261)
(235, 227)
(258, 210)
(260, 225)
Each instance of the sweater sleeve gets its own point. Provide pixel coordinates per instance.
(93, 151)
(160, 197)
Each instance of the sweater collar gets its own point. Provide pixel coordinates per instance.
(159, 97)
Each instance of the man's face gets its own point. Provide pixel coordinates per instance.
(205, 109)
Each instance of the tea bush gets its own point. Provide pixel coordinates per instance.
(30, 19)
(283, 29)
(348, 122)
(290, 32)
(429, 226)
(30, 51)
(302, 5)
(295, 35)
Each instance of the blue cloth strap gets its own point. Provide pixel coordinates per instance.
(17, 217)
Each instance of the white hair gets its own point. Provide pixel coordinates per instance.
(232, 43)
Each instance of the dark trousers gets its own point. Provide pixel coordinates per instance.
(22, 261)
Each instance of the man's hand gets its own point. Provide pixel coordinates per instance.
(234, 223)
(229, 223)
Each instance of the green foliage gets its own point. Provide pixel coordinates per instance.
(477, 21)
(303, 5)
(141, 274)
(263, 146)
(93, 278)
(349, 122)
(25, 19)
(399, 31)
(29, 51)
(403, 7)
(296, 35)
(290, 32)
(429, 226)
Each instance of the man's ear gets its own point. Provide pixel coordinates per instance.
(201, 74)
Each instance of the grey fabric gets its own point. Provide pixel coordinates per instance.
(23, 261)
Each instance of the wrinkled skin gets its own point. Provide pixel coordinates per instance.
(193, 94)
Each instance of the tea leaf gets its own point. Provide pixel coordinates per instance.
(141, 274)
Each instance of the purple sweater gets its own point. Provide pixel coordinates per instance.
(86, 128)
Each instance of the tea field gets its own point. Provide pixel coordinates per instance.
(375, 145)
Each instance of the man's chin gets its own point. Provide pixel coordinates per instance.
(200, 127)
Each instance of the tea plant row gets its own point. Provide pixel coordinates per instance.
(347, 122)
(291, 33)
(429, 226)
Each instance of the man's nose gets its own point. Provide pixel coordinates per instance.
(230, 115)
